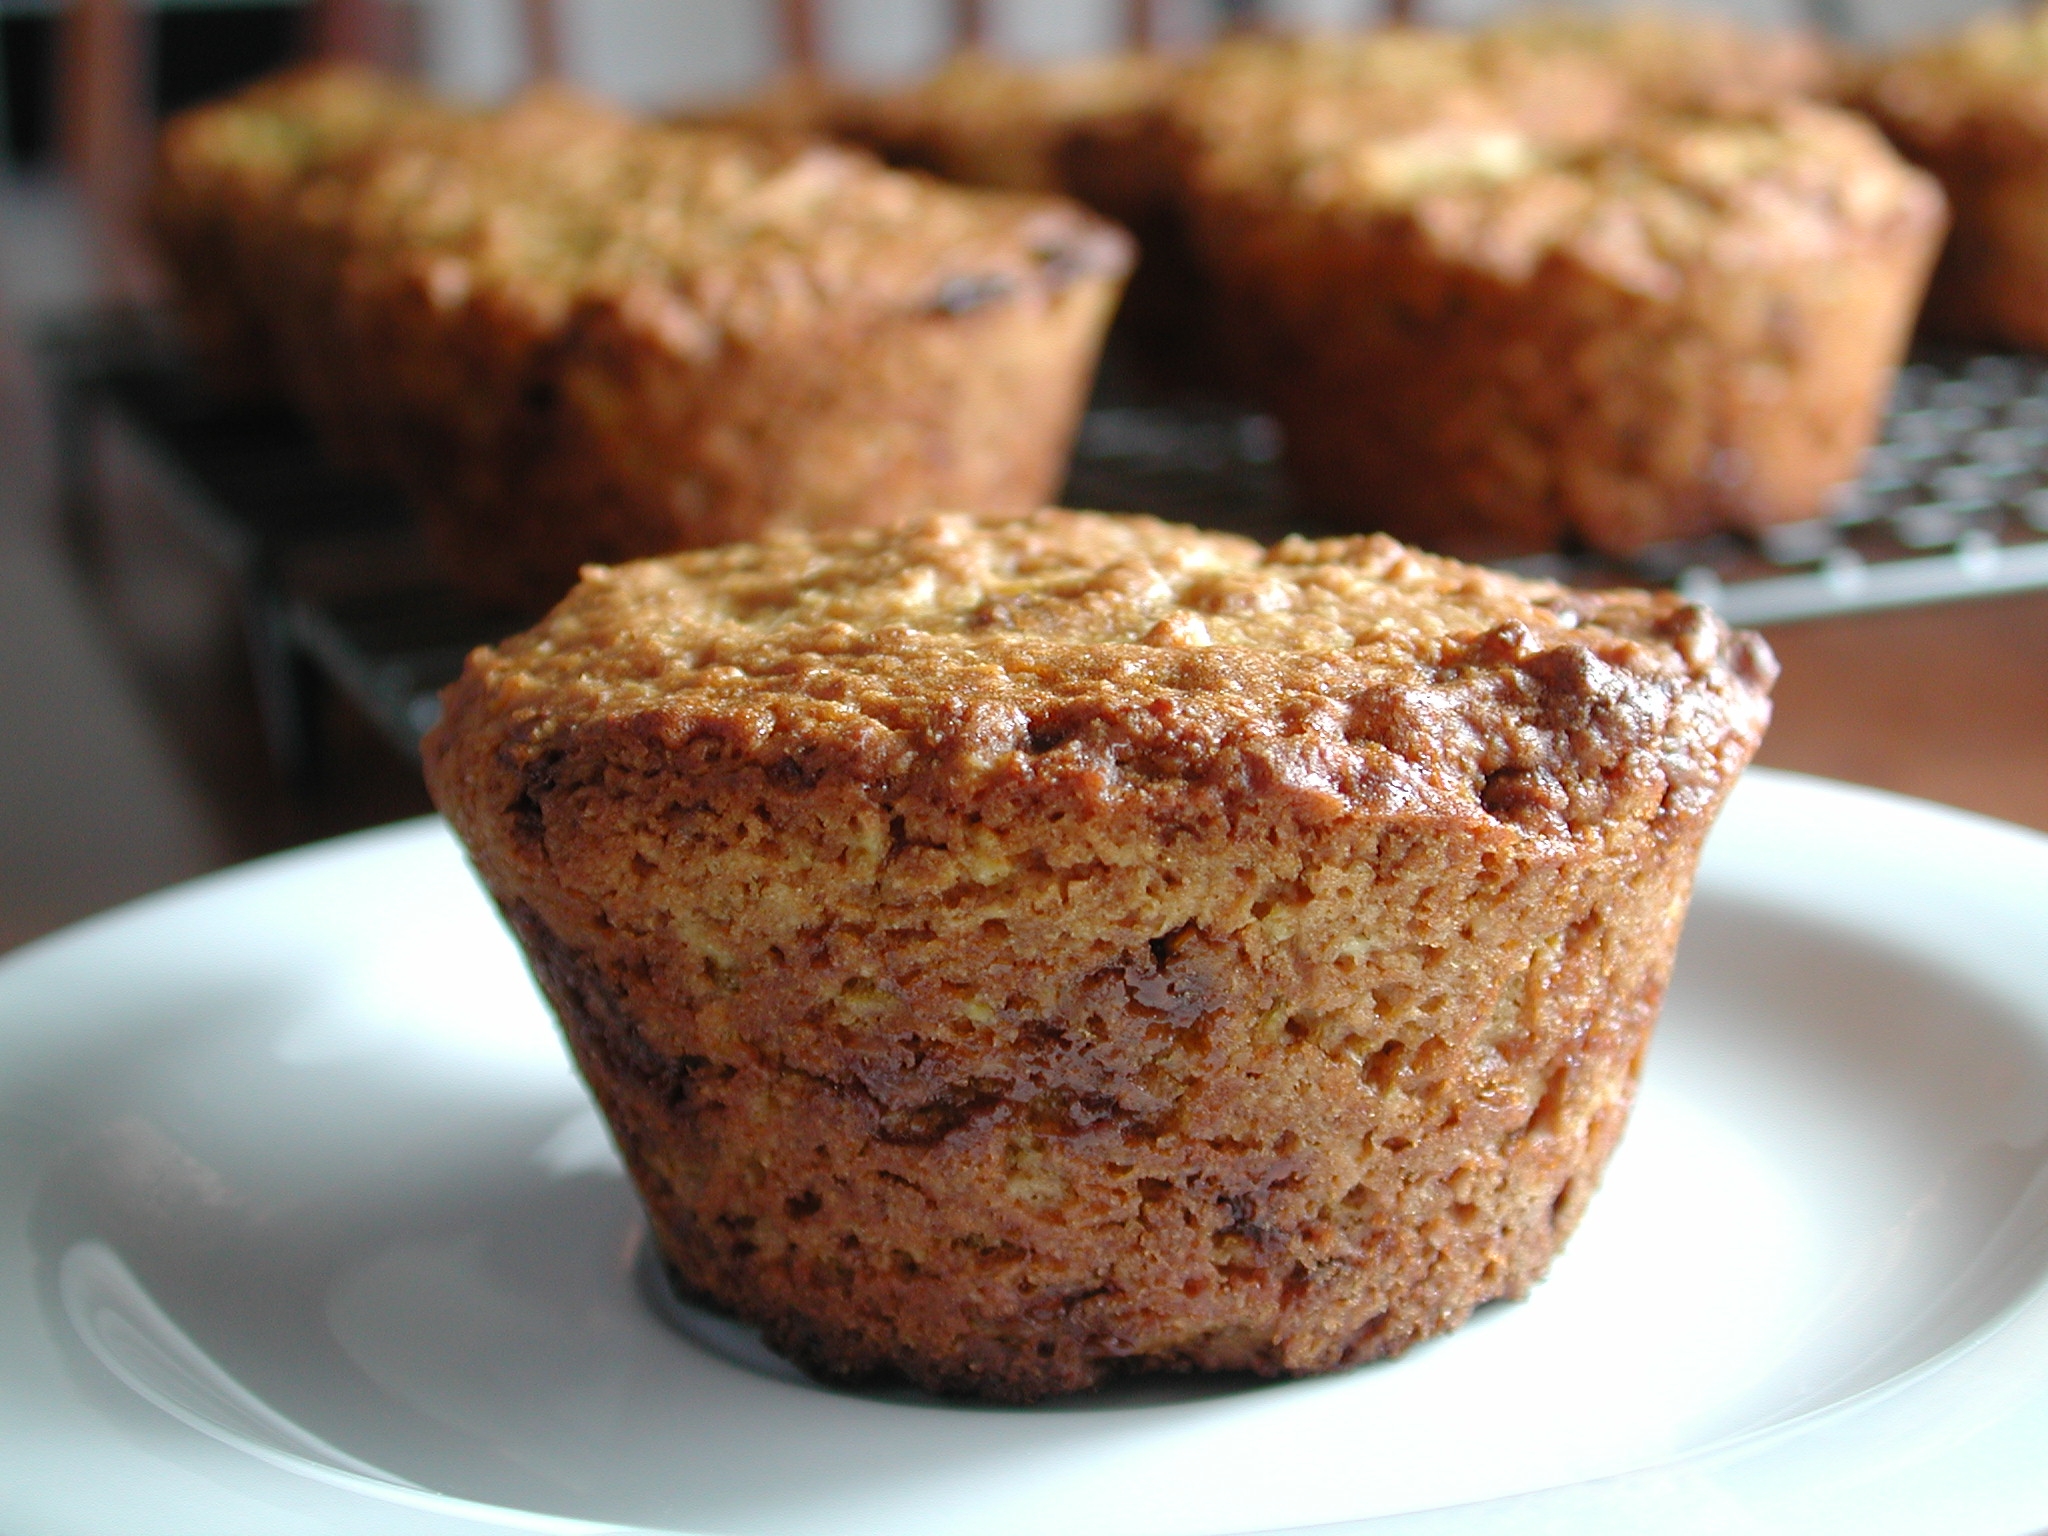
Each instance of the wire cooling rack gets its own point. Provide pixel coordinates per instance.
(1953, 502)
(338, 593)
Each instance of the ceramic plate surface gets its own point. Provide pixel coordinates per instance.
(306, 1226)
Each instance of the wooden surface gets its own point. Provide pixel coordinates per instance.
(970, 23)
(541, 30)
(1949, 703)
(102, 121)
(802, 42)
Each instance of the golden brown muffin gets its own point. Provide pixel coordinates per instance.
(572, 336)
(1502, 295)
(224, 171)
(1973, 109)
(642, 339)
(1684, 60)
(1014, 953)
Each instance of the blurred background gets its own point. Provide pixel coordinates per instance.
(134, 748)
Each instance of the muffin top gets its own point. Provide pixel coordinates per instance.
(1983, 88)
(1507, 147)
(1088, 659)
(293, 124)
(699, 234)
(1682, 60)
(1566, 78)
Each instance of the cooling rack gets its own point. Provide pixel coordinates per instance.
(1953, 501)
(338, 593)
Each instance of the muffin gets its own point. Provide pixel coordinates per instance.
(650, 339)
(1504, 296)
(572, 336)
(1011, 953)
(1688, 60)
(1093, 129)
(223, 174)
(1973, 109)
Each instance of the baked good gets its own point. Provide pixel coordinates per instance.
(1031, 128)
(572, 336)
(1010, 953)
(1094, 129)
(1973, 109)
(648, 339)
(224, 171)
(1503, 296)
(1690, 60)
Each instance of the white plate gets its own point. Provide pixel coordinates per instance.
(305, 1226)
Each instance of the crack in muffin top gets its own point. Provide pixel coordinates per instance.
(1114, 655)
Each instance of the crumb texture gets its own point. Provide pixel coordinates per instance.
(1014, 953)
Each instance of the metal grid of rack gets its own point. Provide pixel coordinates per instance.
(338, 592)
(1953, 502)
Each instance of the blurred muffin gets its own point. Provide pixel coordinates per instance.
(644, 340)
(1505, 293)
(1973, 109)
(1689, 60)
(571, 336)
(1094, 129)
(224, 173)
(1029, 128)
(1011, 953)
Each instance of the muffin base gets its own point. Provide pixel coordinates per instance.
(1991, 285)
(1201, 1153)
(1484, 417)
(533, 455)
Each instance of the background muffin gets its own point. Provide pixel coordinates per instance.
(1503, 295)
(1009, 953)
(993, 123)
(571, 336)
(1973, 109)
(1094, 129)
(224, 176)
